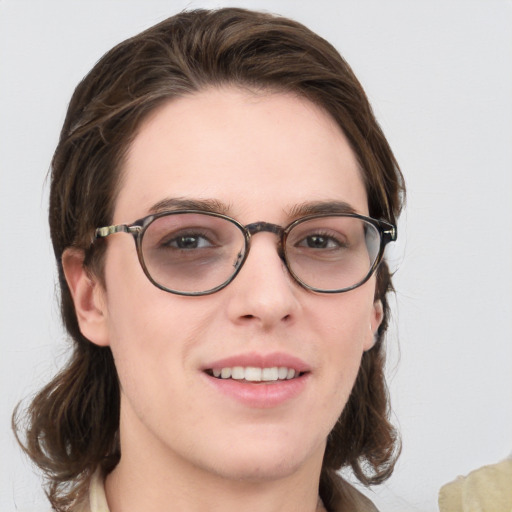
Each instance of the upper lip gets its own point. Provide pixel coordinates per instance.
(256, 360)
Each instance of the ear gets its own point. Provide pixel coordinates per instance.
(376, 318)
(88, 297)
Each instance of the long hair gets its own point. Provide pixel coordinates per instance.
(73, 422)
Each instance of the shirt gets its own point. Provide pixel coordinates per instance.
(97, 500)
(488, 489)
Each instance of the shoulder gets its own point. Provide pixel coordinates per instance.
(349, 498)
(358, 500)
(489, 486)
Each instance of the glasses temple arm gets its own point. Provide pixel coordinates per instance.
(119, 228)
(389, 233)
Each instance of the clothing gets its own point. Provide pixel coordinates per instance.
(352, 501)
(488, 489)
(97, 500)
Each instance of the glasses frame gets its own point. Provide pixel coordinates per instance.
(387, 233)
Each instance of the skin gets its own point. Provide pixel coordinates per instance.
(184, 445)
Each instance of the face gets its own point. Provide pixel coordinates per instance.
(260, 156)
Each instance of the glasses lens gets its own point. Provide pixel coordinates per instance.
(332, 253)
(191, 252)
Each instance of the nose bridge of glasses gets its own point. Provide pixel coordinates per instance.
(268, 227)
(258, 227)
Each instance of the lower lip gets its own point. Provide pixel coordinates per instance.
(259, 395)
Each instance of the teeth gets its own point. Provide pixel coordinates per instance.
(282, 373)
(254, 374)
(237, 373)
(269, 374)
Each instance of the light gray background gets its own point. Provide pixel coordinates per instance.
(439, 76)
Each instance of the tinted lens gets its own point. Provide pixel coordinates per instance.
(192, 253)
(332, 253)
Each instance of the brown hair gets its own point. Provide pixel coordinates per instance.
(73, 422)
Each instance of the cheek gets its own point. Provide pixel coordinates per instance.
(152, 350)
(151, 332)
(143, 322)
(343, 325)
(345, 321)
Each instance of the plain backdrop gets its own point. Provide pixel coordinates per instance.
(439, 75)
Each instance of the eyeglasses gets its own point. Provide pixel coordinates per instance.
(193, 252)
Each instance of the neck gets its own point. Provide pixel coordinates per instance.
(129, 492)
(153, 478)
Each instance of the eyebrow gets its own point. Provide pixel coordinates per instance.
(216, 206)
(178, 203)
(318, 207)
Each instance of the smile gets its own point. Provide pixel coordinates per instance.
(255, 374)
(258, 381)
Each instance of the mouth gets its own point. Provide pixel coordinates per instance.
(255, 374)
(258, 381)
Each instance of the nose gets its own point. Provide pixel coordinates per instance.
(264, 293)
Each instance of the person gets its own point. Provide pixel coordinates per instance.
(488, 488)
(221, 198)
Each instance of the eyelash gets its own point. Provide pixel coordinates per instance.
(167, 243)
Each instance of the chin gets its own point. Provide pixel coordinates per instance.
(254, 471)
(264, 460)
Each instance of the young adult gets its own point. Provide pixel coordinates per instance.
(232, 357)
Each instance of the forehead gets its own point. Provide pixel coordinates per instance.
(258, 153)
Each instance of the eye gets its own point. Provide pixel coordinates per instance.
(187, 241)
(321, 241)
